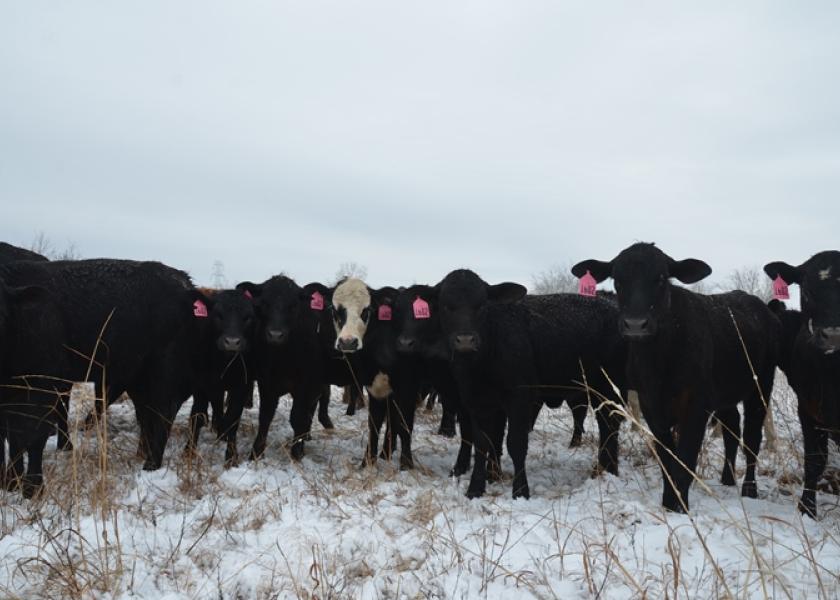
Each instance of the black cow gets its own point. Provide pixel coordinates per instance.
(224, 364)
(129, 327)
(33, 388)
(290, 358)
(811, 359)
(686, 361)
(506, 354)
(10, 253)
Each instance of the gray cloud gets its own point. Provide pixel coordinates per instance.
(418, 138)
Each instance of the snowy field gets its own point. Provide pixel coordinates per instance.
(324, 528)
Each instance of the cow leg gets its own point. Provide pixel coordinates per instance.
(483, 425)
(465, 424)
(351, 396)
(14, 469)
(447, 420)
(579, 407)
(269, 398)
(517, 443)
(198, 417)
(217, 403)
(304, 401)
(816, 455)
(608, 428)
(377, 410)
(324, 409)
(536, 408)
(730, 422)
(159, 424)
(404, 419)
(233, 416)
(755, 412)
(663, 449)
(34, 478)
(692, 430)
(497, 437)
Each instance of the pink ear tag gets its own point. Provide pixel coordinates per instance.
(780, 289)
(248, 295)
(384, 313)
(421, 309)
(199, 309)
(587, 284)
(317, 302)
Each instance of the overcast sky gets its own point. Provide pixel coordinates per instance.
(415, 138)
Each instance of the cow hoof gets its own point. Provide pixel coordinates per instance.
(727, 478)
(459, 469)
(151, 465)
(216, 426)
(808, 508)
(351, 410)
(522, 492)
(675, 507)
(385, 455)
(474, 492)
(367, 462)
(406, 464)
(575, 442)
(12, 483)
(596, 472)
(66, 446)
(255, 454)
(749, 489)
(297, 451)
(327, 423)
(32, 486)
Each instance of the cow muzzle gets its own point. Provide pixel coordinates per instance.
(466, 342)
(825, 338)
(636, 328)
(406, 344)
(348, 344)
(276, 337)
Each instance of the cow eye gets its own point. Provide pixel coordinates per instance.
(365, 314)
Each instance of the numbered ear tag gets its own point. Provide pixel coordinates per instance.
(199, 309)
(384, 313)
(780, 289)
(587, 284)
(421, 309)
(248, 295)
(317, 302)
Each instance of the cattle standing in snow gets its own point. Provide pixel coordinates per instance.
(33, 391)
(811, 359)
(128, 328)
(290, 357)
(507, 353)
(686, 361)
(223, 364)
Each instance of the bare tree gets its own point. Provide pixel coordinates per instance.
(753, 281)
(557, 279)
(351, 269)
(44, 246)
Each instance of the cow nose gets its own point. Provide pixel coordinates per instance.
(635, 327)
(466, 342)
(276, 336)
(405, 343)
(232, 343)
(829, 336)
(348, 344)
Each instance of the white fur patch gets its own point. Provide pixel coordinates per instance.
(825, 274)
(381, 387)
(354, 297)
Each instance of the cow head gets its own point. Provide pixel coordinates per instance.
(462, 297)
(818, 279)
(641, 274)
(231, 316)
(351, 311)
(281, 303)
(417, 322)
(12, 298)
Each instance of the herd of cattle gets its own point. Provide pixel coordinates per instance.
(493, 353)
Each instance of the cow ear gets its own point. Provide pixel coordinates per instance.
(506, 292)
(311, 288)
(384, 295)
(198, 295)
(599, 269)
(777, 307)
(788, 272)
(689, 270)
(255, 289)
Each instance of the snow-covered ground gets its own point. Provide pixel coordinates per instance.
(324, 528)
